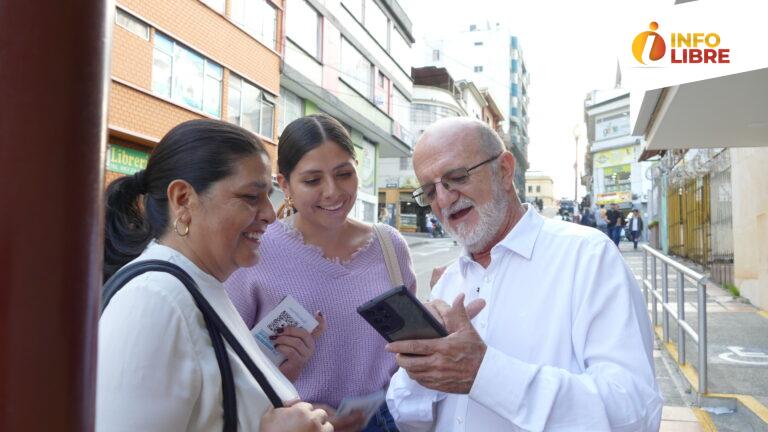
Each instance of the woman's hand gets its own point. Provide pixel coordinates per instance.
(297, 345)
(352, 422)
(299, 417)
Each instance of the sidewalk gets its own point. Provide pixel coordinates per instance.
(737, 335)
(416, 239)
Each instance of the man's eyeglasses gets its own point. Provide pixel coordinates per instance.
(450, 180)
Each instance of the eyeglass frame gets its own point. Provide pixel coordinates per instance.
(420, 190)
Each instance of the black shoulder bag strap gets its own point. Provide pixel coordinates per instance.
(216, 328)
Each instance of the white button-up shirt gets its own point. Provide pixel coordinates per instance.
(157, 368)
(568, 335)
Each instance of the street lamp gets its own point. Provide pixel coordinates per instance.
(576, 167)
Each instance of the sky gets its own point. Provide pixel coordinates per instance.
(570, 48)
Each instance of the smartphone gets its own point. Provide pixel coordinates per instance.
(399, 315)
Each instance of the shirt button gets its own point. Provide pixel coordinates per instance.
(459, 420)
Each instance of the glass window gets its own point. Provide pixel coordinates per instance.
(435, 55)
(377, 23)
(538, 189)
(291, 108)
(478, 44)
(258, 18)
(303, 26)
(185, 77)
(161, 66)
(405, 163)
(612, 126)
(478, 68)
(250, 107)
(530, 189)
(217, 5)
(132, 24)
(400, 50)
(355, 7)
(401, 109)
(356, 70)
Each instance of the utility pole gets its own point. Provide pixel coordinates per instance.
(576, 169)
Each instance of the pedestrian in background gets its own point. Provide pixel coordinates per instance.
(615, 223)
(201, 204)
(601, 220)
(329, 262)
(636, 226)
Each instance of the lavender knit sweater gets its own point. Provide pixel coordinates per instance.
(350, 359)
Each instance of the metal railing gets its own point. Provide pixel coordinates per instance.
(668, 309)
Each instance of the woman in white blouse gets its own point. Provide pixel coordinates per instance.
(201, 204)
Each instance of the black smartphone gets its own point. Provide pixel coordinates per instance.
(399, 315)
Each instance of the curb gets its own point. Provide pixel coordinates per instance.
(752, 405)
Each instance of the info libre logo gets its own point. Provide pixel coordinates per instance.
(684, 47)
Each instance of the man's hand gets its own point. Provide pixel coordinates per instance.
(297, 345)
(299, 417)
(448, 364)
(353, 422)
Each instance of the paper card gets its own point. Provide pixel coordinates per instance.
(369, 405)
(288, 313)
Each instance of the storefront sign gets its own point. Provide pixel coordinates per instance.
(613, 157)
(614, 197)
(125, 160)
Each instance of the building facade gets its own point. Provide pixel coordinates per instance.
(612, 173)
(351, 60)
(540, 186)
(179, 60)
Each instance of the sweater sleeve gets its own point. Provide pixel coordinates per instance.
(241, 288)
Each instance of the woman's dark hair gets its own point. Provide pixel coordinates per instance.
(200, 152)
(306, 134)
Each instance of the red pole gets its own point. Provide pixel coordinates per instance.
(53, 76)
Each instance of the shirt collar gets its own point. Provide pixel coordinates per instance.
(520, 240)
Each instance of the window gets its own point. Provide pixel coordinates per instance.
(217, 5)
(436, 55)
(291, 108)
(400, 50)
(303, 26)
(472, 27)
(530, 189)
(132, 24)
(405, 163)
(612, 126)
(478, 68)
(186, 77)
(382, 92)
(250, 107)
(401, 109)
(478, 44)
(258, 18)
(377, 23)
(538, 189)
(355, 7)
(356, 70)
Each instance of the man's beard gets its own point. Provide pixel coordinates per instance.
(490, 217)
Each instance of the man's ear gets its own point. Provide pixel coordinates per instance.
(181, 196)
(507, 163)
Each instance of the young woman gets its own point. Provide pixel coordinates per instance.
(329, 263)
(201, 204)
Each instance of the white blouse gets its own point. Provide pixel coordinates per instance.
(157, 370)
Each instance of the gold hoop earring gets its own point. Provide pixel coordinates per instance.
(287, 210)
(176, 227)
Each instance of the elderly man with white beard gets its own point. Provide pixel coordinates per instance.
(555, 335)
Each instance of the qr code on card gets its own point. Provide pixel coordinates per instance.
(283, 320)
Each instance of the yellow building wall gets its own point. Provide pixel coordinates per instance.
(750, 222)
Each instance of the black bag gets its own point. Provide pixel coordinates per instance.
(216, 328)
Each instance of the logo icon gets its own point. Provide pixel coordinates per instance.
(658, 46)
